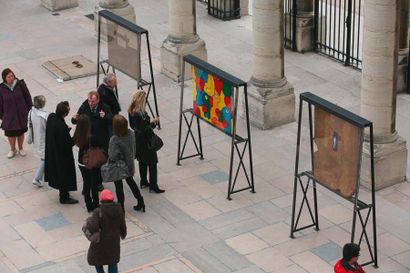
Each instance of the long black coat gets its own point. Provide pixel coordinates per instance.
(108, 97)
(143, 127)
(112, 224)
(99, 126)
(59, 160)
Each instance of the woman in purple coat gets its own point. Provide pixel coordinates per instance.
(15, 103)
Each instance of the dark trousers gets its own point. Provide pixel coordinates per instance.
(64, 195)
(120, 190)
(111, 268)
(91, 178)
(153, 174)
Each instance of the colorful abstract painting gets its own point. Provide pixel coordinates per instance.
(212, 99)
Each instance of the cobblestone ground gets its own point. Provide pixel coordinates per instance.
(191, 227)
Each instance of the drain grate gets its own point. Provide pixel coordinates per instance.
(90, 16)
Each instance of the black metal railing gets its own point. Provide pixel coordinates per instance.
(290, 12)
(224, 9)
(338, 30)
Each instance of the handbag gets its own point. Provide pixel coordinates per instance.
(94, 158)
(114, 171)
(155, 143)
(92, 237)
(30, 136)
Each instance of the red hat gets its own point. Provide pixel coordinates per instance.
(106, 195)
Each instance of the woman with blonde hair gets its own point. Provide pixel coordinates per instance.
(147, 158)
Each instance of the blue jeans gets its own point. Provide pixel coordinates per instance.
(40, 171)
(111, 268)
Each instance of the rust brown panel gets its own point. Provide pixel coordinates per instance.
(337, 157)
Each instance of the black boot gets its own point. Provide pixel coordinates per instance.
(155, 188)
(140, 205)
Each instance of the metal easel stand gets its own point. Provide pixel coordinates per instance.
(236, 141)
(140, 82)
(305, 180)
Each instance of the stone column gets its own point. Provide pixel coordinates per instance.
(182, 39)
(403, 47)
(119, 7)
(305, 24)
(271, 97)
(378, 93)
(55, 5)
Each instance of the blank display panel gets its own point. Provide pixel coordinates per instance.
(124, 50)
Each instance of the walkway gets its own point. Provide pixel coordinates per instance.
(191, 227)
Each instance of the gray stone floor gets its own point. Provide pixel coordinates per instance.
(191, 227)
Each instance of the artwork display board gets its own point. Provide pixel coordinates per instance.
(212, 99)
(336, 143)
(338, 153)
(124, 50)
(124, 41)
(215, 101)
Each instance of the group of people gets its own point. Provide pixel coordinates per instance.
(99, 123)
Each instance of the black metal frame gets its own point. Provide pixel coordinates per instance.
(290, 9)
(224, 11)
(358, 205)
(139, 31)
(236, 140)
(337, 30)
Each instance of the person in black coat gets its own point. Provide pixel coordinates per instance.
(100, 117)
(141, 123)
(59, 167)
(108, 94)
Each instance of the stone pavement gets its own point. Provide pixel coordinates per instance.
(191, 227)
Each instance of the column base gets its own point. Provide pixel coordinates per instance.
(244, 4)
(55, 5)
(390, 164)
(172, 53)
(402, 70)
(270, 107)
(304, 33)
(126, 12)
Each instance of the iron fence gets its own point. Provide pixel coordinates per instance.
(224, 9)
(290, 12)
(338, 30)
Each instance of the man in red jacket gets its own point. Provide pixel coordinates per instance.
(348, 264)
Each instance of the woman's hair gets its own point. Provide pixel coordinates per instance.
(137, 102)
(62, 109)
(82, 131)
(39, 101)
(119, 126)
(5, 73)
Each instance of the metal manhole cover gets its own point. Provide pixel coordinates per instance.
(70, 68)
